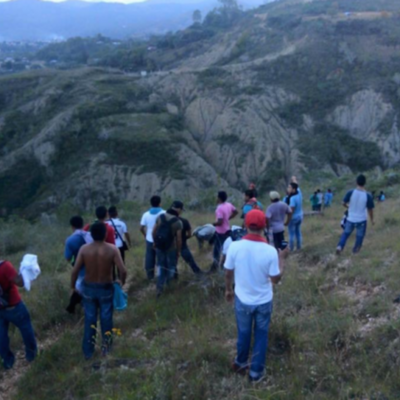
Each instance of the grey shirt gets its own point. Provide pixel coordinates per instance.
(276, 214)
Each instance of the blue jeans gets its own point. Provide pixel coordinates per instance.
(188, 257)
(247, 317)
(219, 241)
(167, 264)
(97, 297)
(18, 316)
(150, 260)
(361, 228)
(295, 233)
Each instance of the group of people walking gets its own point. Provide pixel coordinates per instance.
(319, 200)
(252, 255)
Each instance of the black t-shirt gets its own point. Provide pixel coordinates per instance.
(185, 230)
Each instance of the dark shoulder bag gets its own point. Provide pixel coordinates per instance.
(124, 245)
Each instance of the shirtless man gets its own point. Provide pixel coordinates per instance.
(97, 288)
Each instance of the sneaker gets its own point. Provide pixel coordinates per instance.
(239, 370)
(255, 380)
(338, 250)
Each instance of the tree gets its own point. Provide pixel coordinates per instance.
(229, 4)
(197, 17)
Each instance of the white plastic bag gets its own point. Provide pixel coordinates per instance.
(29, 269)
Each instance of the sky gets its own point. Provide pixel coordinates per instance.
(113, 1)
(96, 1)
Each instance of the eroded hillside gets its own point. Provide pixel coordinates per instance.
(288, 88)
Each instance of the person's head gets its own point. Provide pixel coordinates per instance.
(222, 197)
(101, 213)
(255, 221)
(76, 222)
(98, 231)
(113, 212)
(155, 201)
(274, 196)
(329, 191)
(248, 194)
(178, 207)
(381, 191)
(292, 188)
(361, 180)
(319, 191)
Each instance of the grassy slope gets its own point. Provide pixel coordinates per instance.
(334, 333)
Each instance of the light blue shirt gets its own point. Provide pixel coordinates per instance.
(296, 204)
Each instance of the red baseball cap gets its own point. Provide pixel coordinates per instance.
(255, 219)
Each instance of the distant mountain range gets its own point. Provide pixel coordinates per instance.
(36, 20)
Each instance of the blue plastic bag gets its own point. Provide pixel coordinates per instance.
(120, 298)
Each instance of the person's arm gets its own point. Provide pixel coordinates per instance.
(371, 215)
(229, 293)
(18, 280)
(289, 215)
(120, 265)
(219, 222)
(189, 233)
(346, 200)
(229, 266)
(128, 239)
(282, 255)
(234, 214)
(143, 231)
(76, 269)
(68, 253)
(179, 241)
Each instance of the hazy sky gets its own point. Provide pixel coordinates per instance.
(96, 1)
(120, 1)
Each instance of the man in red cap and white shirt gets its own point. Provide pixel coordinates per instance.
(255, 266)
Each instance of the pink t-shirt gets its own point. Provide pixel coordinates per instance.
(224, 212)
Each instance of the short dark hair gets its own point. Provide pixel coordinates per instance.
(98, 231)
(361, 180)
(113, 212)
(294, 185)
(101, 212)
(76, 222)
(155, 201)
(249, 193)
(222, 196)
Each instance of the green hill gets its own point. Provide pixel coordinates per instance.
(334, 333)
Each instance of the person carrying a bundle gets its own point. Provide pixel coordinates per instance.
(13, 311)
(167, 237)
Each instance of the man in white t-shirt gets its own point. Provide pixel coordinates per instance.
(121, 231)
(255, 266)
(147, 223)
(360, 204)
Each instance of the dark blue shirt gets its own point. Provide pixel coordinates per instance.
(73, 245)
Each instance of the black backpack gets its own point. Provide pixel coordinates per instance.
(238, 234)
(4, 302)
(164, 236)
